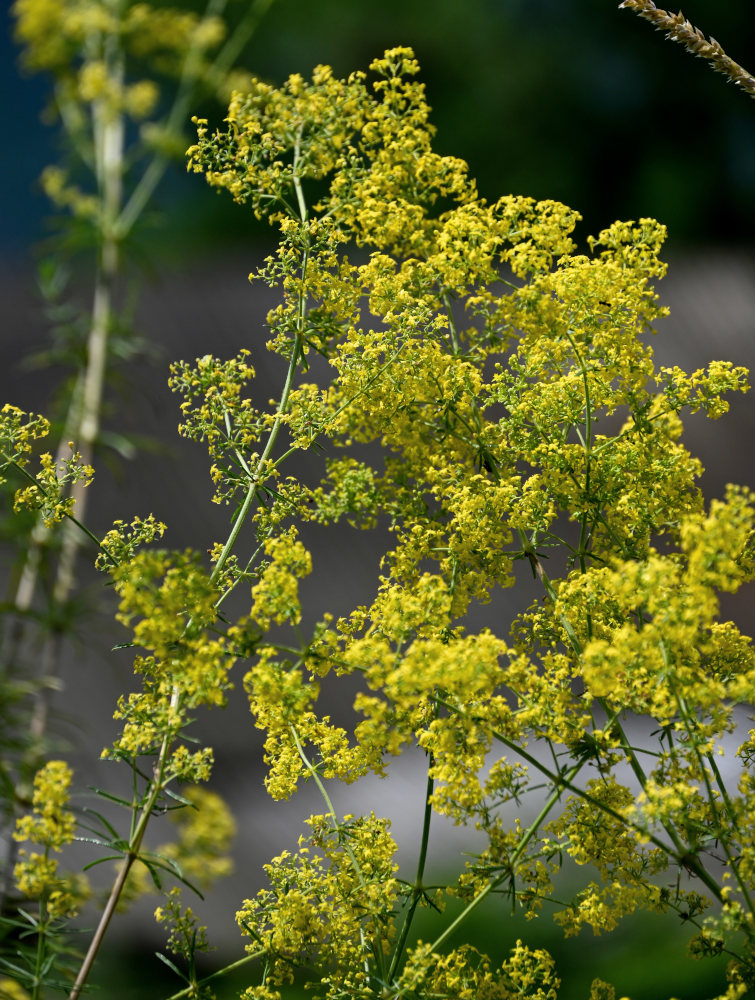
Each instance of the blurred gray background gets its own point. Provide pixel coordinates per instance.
(566, 99)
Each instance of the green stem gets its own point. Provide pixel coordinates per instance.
(451, 324)
(41, 936)
(377, 950)
(678, 855)
(157, 786)
(226, 970)
(719, 832)
(681, 855)
(323, 791)
(257, 476)
(521, 846)
(135, 843)
(419, 887)
(69, 517)
(345, 405)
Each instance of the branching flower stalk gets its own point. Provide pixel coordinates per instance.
(475, 433)
(681, 853)
(159, 781)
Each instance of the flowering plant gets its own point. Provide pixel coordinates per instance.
(490, 393)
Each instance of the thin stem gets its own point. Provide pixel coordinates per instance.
(323, 791)
(135, 843)
(68, 517)
(377, 950)
(256, 477)
(41, 934)
(679, 856)
(521, 846)
(259, 468)
(345, 405)
(191, 990)
(157, 786)
(419, 888)
(300, 200)
(720, 835)
(587, 447)
(445, 298)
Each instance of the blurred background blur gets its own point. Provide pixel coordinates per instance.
(573, 100)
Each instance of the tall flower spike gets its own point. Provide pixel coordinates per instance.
(679, 29)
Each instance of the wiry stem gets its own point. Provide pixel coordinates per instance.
(680, 30)
(191, 990)
(132, 854)
(493, 884)
(159, 779)
(418, 888)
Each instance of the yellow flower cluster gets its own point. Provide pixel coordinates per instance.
(49, 492)
(186, 937)
(465, 974)
(169, 602)
(18, 432)
(120, 544)
(275, 598)
(50, 826)
(330, 905)
(491, 395)
(510, 385)
(214, 411)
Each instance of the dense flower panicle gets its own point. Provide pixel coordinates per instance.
(169, 602)
(512, 387)
(49, 826)
(492, 397)
(281, 699)
(331, 904)
(275, 598)
(466, 974)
